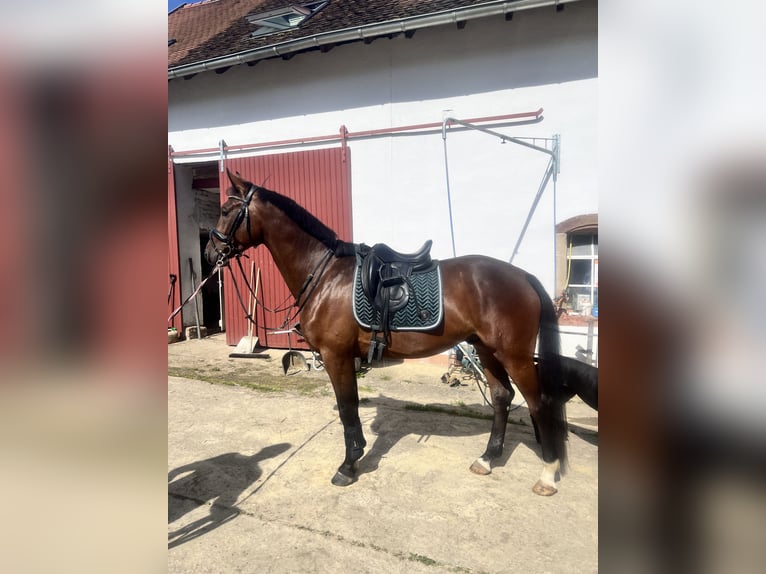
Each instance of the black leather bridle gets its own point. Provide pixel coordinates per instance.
(230, 248)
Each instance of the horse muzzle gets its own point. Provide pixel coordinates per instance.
(216, 255)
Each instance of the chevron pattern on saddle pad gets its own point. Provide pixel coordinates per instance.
(428, 293)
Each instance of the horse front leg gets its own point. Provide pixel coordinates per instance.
(343, 378)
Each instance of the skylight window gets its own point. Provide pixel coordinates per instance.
(283, 19)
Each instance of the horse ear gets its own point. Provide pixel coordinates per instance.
(239, 184)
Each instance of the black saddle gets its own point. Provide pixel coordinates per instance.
(385, 276)
(421, 257)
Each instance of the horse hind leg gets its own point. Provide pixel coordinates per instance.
(550, 423)
(502, 395)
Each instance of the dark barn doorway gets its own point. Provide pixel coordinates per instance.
(211, 291)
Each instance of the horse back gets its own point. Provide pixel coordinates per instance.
(490, 286)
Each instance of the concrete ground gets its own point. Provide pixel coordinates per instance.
(251, 453)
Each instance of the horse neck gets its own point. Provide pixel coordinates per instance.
(296, 253)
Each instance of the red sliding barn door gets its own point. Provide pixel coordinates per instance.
(320, 181)
(175, 301)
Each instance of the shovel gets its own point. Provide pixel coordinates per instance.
(293, 362)
(248, 343)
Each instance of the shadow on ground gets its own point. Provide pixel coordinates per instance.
(435, 420)
(216, 482)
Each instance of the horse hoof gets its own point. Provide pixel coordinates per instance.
(341, 479)
(481, 467)
(544, 489)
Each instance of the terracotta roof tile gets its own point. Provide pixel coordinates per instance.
(217, 28)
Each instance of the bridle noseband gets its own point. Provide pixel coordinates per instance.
(229, 246)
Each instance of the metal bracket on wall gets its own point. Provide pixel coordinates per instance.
(222, 151)
(343, 144)
(170, 159)
(551, 171)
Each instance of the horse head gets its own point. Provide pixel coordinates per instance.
(236, 229)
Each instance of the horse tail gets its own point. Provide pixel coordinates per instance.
(550, 373)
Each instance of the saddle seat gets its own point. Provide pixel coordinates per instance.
(421, 257)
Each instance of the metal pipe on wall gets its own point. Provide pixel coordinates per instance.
(520, 117)
(551, 171)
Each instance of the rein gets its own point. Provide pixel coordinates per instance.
(312, 280)
(309, 285)
(320, 267)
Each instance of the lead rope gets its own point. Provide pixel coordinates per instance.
(194, 293)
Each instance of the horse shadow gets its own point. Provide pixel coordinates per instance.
(216, 482)
(388, 431)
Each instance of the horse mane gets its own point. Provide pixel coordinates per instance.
(305, 220)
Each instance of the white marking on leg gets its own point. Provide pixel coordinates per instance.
(485, 463)
(548, 476)
(481, 466)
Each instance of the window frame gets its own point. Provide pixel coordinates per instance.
(269, 22)
(592, 256)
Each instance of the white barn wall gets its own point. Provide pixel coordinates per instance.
(539, 59)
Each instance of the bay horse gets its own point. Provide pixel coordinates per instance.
(498, 308)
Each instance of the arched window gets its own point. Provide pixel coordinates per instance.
(577, 266)
(582, 272)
